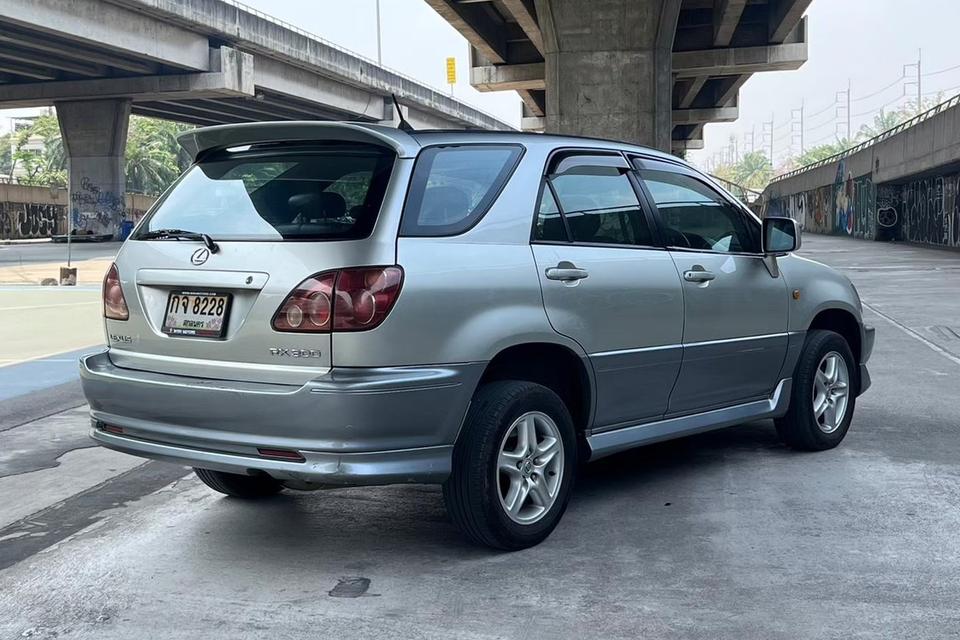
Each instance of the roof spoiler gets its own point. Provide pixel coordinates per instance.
(197, 141)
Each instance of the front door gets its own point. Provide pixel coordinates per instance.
(606, 286)
(735, 312)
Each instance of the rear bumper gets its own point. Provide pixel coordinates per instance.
(351, 426)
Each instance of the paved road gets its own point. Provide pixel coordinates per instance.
(35, 252)
(723, 535)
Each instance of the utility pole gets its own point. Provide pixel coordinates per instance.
(767, 130)
(842, 100)
(919, 76)
(793, 122)
(379, 47)
(907, 68)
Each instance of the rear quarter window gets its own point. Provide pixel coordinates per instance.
(453, 187)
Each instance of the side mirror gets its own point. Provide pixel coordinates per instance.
(780, 235)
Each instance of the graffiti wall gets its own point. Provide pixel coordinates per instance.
(41, 212)
(923, 211)
(930, 212)
(22, 220)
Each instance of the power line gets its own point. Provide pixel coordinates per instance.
(879, 91)
(881, 108)
(936, 73)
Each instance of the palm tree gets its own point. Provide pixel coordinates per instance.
(754, 170)
(883, 121)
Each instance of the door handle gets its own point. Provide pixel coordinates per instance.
(698, 274)
(566, 272)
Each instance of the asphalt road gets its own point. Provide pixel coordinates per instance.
(36, 252)
(723, 535)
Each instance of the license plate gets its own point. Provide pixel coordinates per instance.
(202, 314)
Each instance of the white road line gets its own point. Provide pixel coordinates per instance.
(913, 334)
(48, 306)
(10, 363)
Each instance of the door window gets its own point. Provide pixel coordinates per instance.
(697, 217)
(596, 204)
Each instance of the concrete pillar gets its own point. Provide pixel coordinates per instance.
(608, 68)
(94, 138)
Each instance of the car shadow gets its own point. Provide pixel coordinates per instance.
(410, 521)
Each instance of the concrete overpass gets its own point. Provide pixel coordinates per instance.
(901, 185)
(648, 71)
(197, 61)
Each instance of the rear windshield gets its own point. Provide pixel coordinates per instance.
(318, 193)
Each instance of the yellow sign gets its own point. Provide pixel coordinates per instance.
(451, 71)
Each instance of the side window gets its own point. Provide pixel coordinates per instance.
(549, 227)
(598, 204)
(452, 187)
(696, 216)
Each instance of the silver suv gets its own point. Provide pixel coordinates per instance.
(327, 304)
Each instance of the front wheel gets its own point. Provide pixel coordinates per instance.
(824, 394)
(513, 466)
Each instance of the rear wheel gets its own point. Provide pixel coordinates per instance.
(824, 394)
(513, 465)
(239, 486)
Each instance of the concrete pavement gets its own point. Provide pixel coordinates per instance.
(723, 535)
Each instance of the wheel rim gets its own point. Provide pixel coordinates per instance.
(529, 467)
(831, 392)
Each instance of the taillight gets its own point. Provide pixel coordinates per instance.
(309, 307)
(345, 300)
(114, 304)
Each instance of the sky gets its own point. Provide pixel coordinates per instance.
(863, 42)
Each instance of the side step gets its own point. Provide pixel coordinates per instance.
(610, 442)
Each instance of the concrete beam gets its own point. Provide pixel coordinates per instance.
(233, 77)
(47, 61)
(276, 77)
(71, 51)
(696, 116)
(27, 70)
(525, 14)
(686, 145)
(726, 18)
(730, 90)
(785, 15)
(509, 77)
(531, 102)
(476, 26)
(690, 90)
(254, 33)
(743, 60)
(533, 123)
(108, 26)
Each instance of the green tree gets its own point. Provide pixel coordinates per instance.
(823, 151)
(153, 158)
(883, 121)
(754, 170)
(46, 167)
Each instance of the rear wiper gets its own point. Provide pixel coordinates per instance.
(161, 234)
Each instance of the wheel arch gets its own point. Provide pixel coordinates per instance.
(555, 366)
(843, 322)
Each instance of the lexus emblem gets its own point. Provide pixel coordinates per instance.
(200, 256)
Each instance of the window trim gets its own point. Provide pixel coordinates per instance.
(629, 170)
(642, 164)
(503, 178)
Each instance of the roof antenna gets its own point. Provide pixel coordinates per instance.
(404, 125)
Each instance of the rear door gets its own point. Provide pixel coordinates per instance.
(279, 213)
(607, 285)
(735, 312)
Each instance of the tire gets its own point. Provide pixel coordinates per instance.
(802, 427)
(477, 491)
(239, 486)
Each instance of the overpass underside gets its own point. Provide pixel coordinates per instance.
(202, 62)
(647, 71)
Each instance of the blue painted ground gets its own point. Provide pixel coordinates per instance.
(36, 375)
